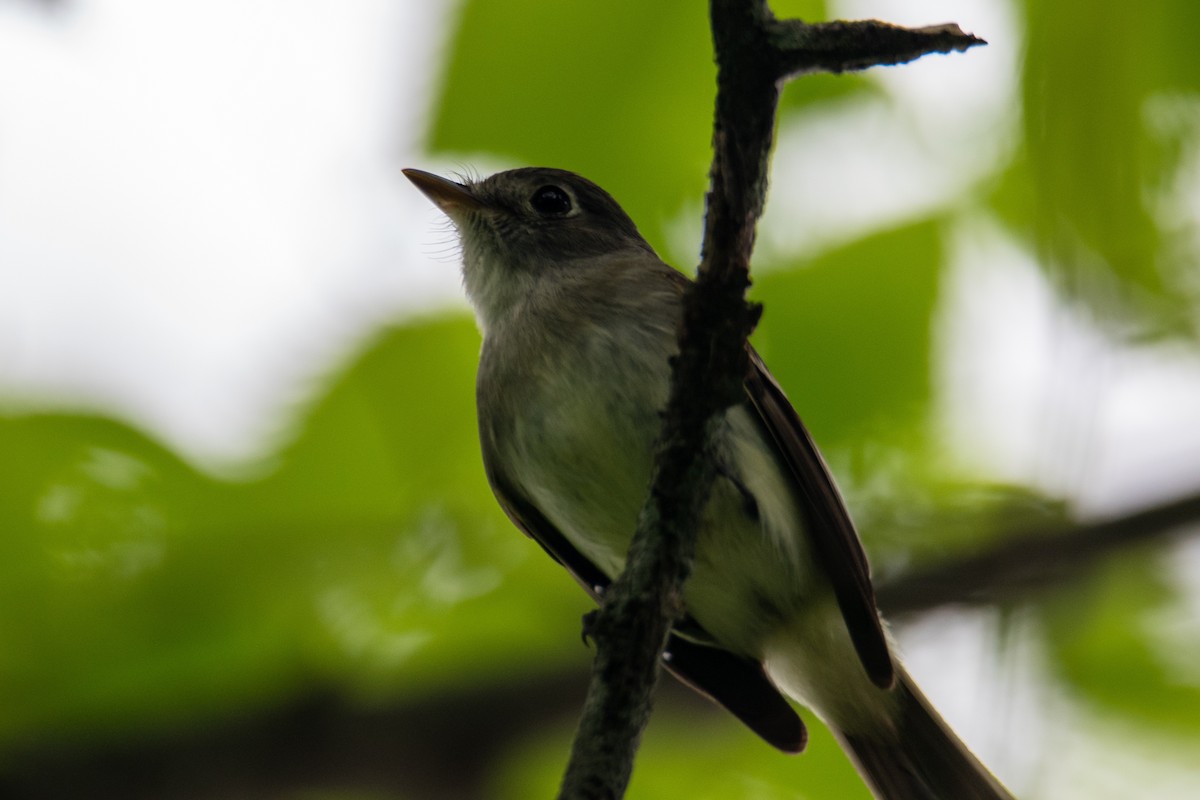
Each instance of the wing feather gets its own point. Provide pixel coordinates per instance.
(737, 683)
(828, 525)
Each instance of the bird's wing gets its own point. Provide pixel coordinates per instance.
(737, 683)
(827, 523)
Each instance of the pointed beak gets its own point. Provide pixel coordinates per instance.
(452, 198)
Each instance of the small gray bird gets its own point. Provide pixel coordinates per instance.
(579, 319)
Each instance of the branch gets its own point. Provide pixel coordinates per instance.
(844, 46)
(1019, 564)
(754, 54)
(632, 625)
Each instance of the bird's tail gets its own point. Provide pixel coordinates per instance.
(924, 760)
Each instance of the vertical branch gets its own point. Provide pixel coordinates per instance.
(631, 627)
(754, 52)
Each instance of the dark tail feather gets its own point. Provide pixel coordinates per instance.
(925, 760)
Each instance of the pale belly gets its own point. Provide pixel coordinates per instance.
(589, 474)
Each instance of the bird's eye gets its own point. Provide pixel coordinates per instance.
(551, 201)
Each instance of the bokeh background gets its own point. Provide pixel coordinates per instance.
(246, 545)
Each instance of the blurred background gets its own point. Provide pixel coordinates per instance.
(246, 545)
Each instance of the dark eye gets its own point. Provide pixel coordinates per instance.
(550, 201)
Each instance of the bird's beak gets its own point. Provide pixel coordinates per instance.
(452, 198)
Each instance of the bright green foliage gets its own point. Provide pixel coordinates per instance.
(848, 335)
(136, 590)
(1110, 110)
(1130, 646)
(525, 81)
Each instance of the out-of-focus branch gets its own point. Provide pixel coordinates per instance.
(1019, 564)
(436, 746)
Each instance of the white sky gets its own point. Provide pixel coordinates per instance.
(201, 210)
(200, 202)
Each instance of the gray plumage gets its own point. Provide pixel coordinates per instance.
(579, 320)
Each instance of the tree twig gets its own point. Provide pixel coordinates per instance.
(754, 53)
(845, 46)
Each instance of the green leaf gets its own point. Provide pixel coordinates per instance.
(138, 593)
(848, 335)
(1113, 641)
(1095, 162)
(621, 92)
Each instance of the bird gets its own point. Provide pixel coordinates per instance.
(579, 318)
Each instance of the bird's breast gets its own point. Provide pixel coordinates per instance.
(576, 428)
(579, 424)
